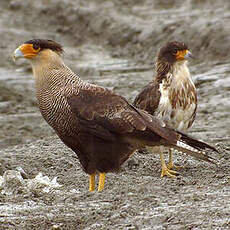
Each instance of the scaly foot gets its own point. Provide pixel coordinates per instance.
(167, 172)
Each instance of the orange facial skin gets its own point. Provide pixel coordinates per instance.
(180, 54)
(28, 50)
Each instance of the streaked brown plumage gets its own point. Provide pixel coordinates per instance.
(102, 128)
(172, 95)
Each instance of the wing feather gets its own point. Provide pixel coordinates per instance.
(148, 99)
(103, 107)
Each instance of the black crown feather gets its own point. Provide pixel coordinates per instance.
(45, 44)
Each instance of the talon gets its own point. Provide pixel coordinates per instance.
(167, 172)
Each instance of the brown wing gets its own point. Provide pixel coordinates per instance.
(194, 113)
(101, 107)
(107, 109)
(148, 99)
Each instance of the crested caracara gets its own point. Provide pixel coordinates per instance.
(101, 127)
(171, 96)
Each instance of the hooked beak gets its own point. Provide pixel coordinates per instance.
(17, 54)
(188, 55)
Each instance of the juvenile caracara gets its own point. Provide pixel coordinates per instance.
(101, 127)
(171, 96)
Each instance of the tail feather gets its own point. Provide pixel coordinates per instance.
(196, 143)
(194, 152)
(194, 148)
(157, 126)
(176, 139)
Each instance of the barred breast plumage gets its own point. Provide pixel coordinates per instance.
(178, 98)
(52, 99)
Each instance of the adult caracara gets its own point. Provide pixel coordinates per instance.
(102, 128)
(171, 96)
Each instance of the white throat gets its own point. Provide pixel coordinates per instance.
(181, 71)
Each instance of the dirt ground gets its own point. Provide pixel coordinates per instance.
(113, 44)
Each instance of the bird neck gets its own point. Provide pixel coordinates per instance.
(46, 59)
(50, 71)
(178, 70)
(54, 82)
(162, 69)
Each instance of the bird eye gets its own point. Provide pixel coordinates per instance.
(35, 46)
(174, 51)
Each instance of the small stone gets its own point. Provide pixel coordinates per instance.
(56, 226)
(12, 182)
(22, 172)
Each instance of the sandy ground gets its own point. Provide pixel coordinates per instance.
(114, 45)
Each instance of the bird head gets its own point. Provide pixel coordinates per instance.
(174, 52)
(33, 48)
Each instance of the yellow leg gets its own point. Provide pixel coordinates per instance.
(171, 165)
(92, 182)
(101, 181)
(165, 171)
